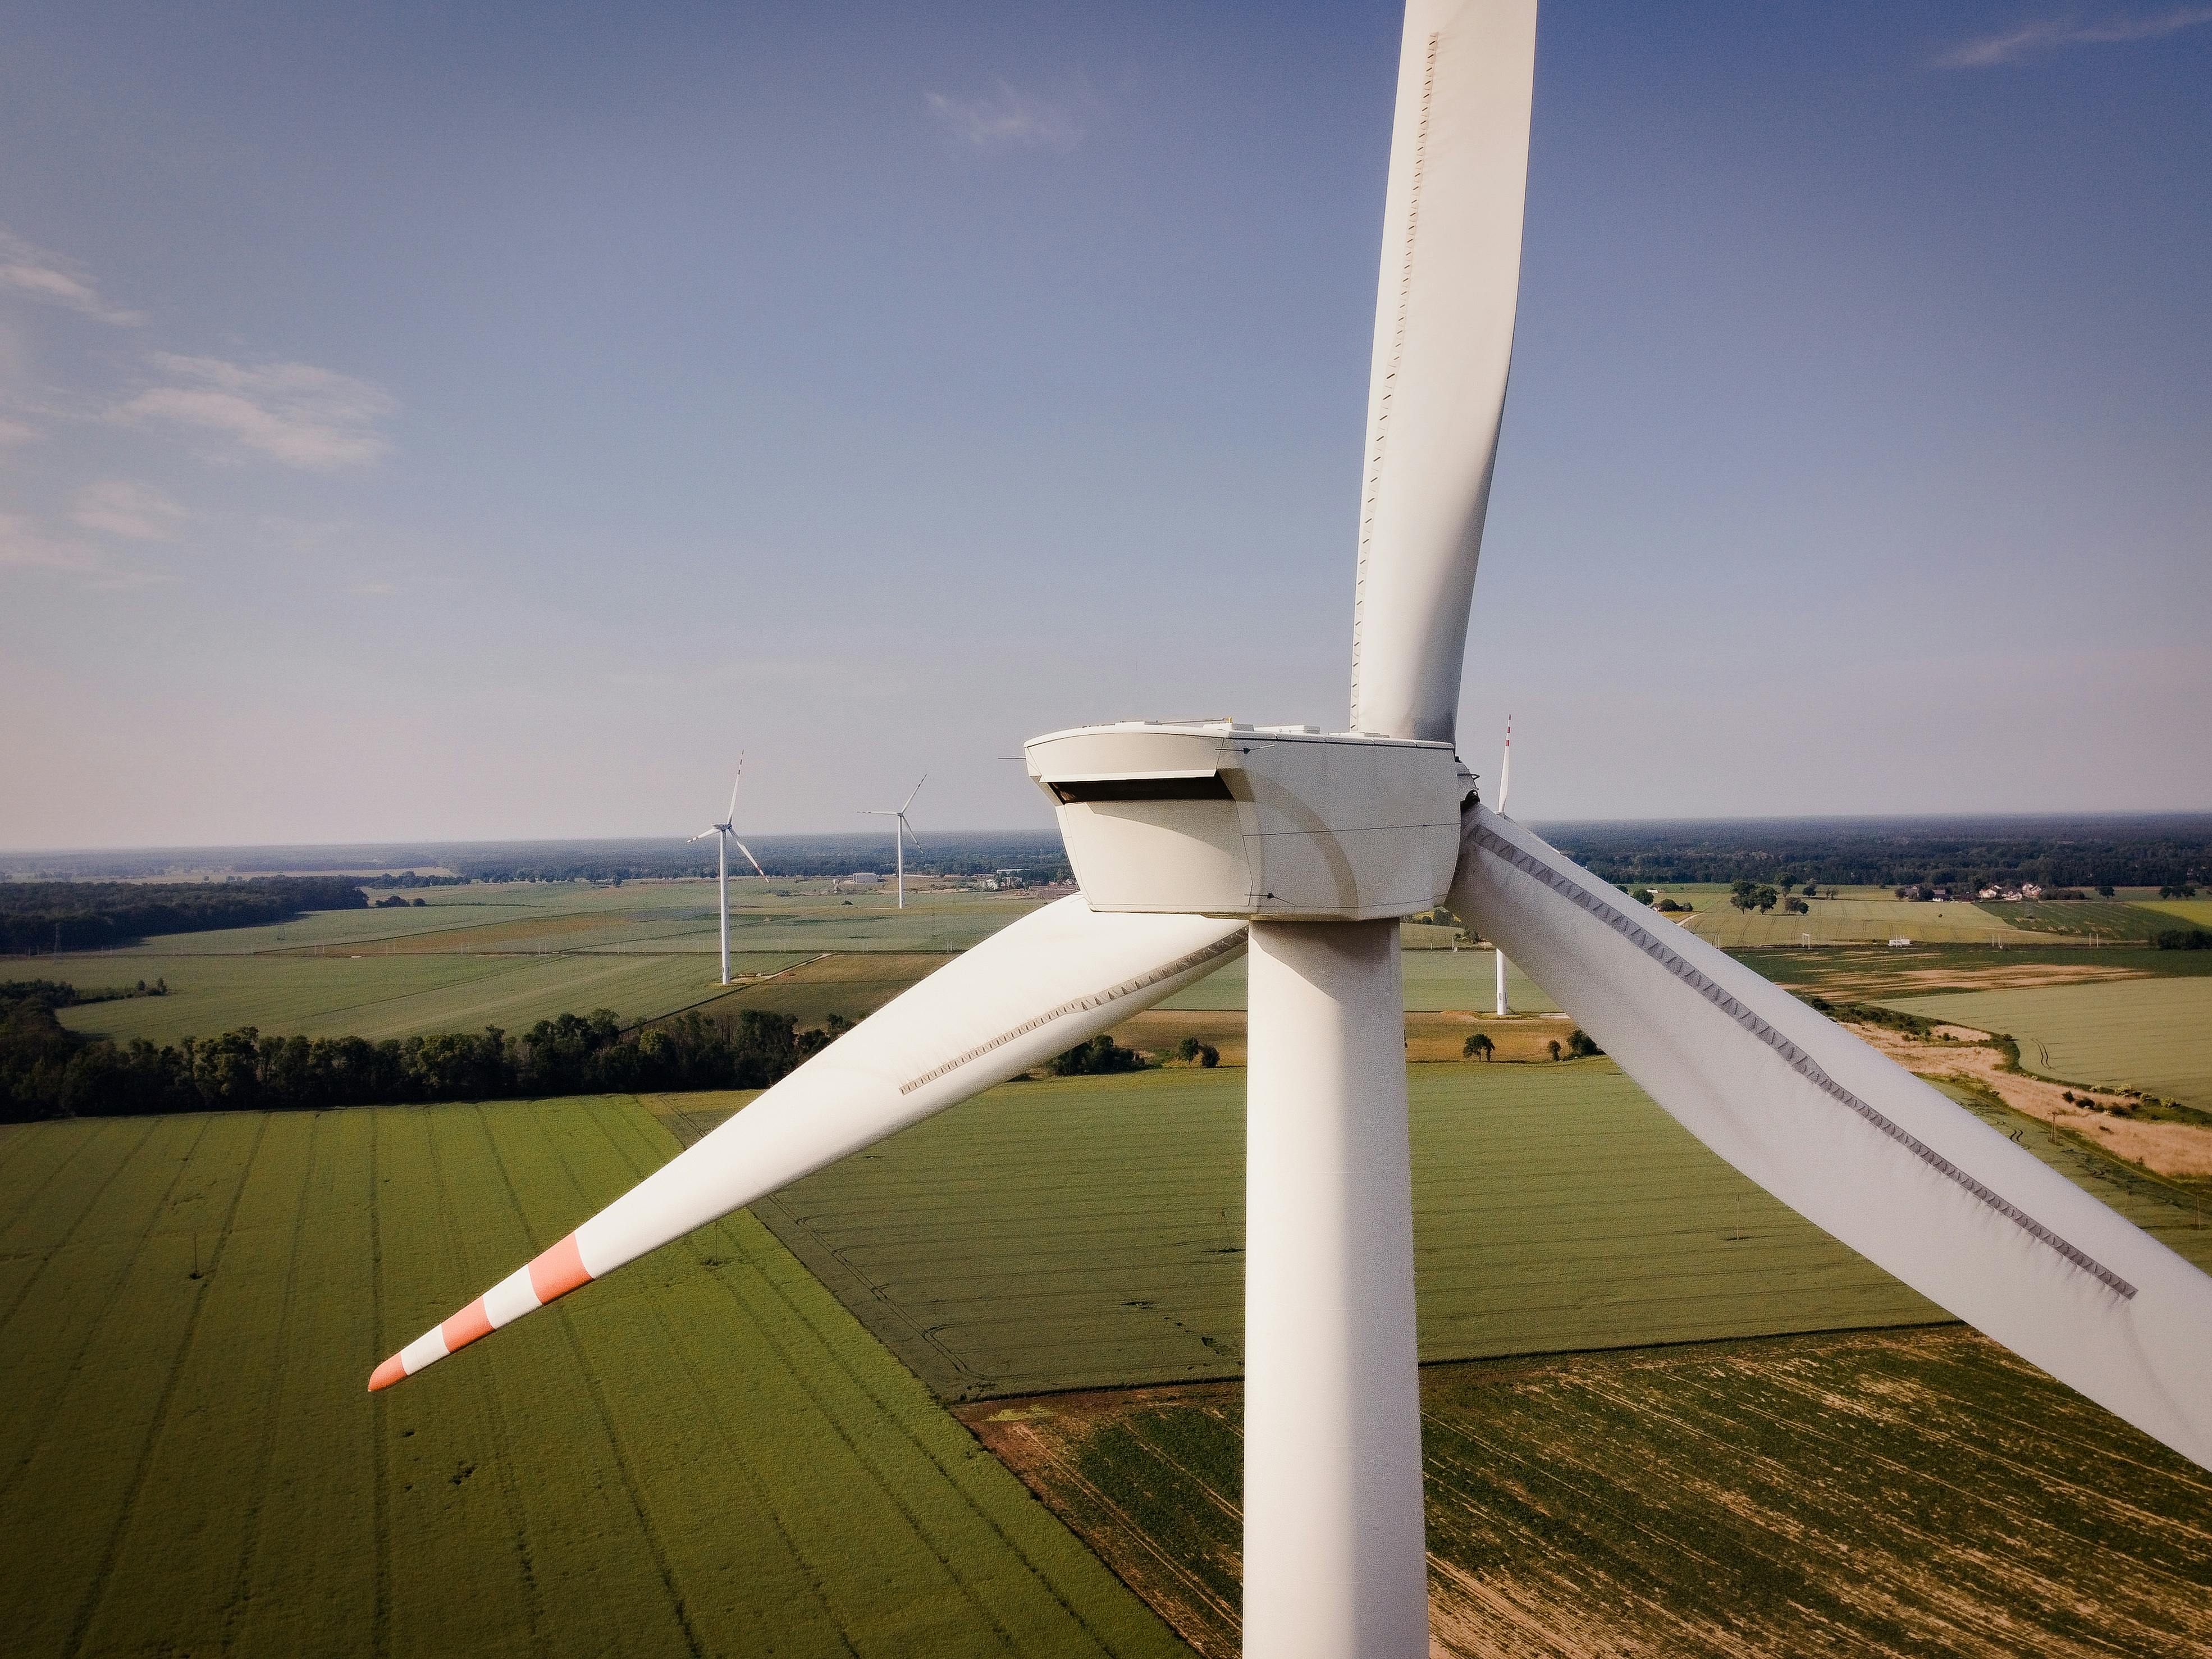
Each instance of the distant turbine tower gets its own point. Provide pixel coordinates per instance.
(1504, 783)
(724, 835)
(900, 833)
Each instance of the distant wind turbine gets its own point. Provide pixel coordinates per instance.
(725, 833)
(1504, 783)
(900, 832)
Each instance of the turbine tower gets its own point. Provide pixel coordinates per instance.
(902, 832)
(725, 835)
(1194, 840)
(1504, 783)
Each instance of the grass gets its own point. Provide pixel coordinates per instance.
(705, 1455)
(1854, 922)
(2154, 1035)
(2189, 913)
(1435, 980)
(1859, 973)
(529, 917)
(1088, 1232)
(1897, 1493)
(2109, 919)
(375, 996)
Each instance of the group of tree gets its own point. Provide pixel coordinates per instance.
(1579, 1046)
(47, 1071)
(2184, 938)
(1099, 1057)
(1959, 853)
(90, 915)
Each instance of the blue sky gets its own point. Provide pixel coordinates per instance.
(486, 421)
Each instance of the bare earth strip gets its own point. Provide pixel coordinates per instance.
(2175, 1151)
(1900, 1492)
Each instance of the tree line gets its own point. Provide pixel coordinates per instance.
(2153, 851)
(47, 1071)
(90, 915)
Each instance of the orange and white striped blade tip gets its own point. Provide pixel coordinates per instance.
(557, 1272)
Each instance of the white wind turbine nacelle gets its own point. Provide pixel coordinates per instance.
(1194, 839)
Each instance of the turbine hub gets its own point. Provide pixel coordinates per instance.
(1213, 817)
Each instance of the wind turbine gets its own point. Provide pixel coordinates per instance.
(901, 831)
(1195, 840)
(725, 835)
(1504, 783)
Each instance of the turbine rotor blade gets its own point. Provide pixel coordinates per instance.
(703, 833)
(749, 858)
(1057, 977)
(1443, 342)
(912, 792)
(731, 817)
(1854, 1143)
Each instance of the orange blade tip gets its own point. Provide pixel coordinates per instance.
(386, 1375)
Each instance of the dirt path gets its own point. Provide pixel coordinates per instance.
(1960, 1054)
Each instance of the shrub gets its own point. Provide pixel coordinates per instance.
(1579, 1045)
(1477, 1046)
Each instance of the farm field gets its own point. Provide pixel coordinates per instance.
(1435, 980)
(2083, 919)
(705, 1455)
(1087, 1232)
(2153, 1034)
(1903, 1493)
(2189, 912)
(1856, 921)
(528, 917)
(378, 997)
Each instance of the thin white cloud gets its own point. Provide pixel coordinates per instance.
(37, 274)
(313, 418)
(132, 510)
(2056, 33)
(15, 432)
(24, 546)
(1004, 118)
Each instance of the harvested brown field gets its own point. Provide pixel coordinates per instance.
(2173, 1150)
(1918, 1492)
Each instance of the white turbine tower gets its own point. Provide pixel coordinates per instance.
(1193, 839)
(725, 836)
(1504, 783)
(902, 832)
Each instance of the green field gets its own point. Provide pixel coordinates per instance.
(2154, 1035)
(1087, 1232)
(2082, 918)
(1908, 1493)
(1435, 980)
(373, 996)
(2189, 912)
(1855, 922)
(528, 917)
(705, 1455)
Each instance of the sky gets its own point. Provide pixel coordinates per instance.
(489, 421)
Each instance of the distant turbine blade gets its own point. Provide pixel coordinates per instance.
(1443, 344)
(703, 833)
(749, 858)
(1854, 1143)
(912, 792)
(731, 817)
(910, 835)
(1055, 978)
